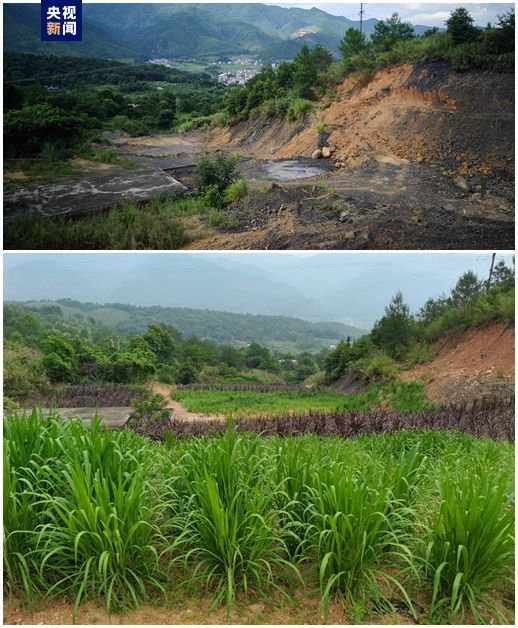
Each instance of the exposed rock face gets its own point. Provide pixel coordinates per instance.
(82, 196)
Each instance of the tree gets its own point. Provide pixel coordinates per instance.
(460, 26)
(306, 366)
(467, 287)
(60, 358)
(503, 275)
(387, 34)
(505, 31)
(256, 356)
(432, 309)
(353, 42)
(338, 360)
(163, 341)
(305, 75)
(396, 329)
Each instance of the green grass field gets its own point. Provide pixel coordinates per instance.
(369, 522)
(403, 396)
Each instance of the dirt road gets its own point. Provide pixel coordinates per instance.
(180, 413)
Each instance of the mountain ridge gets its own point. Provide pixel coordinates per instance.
(182, 30)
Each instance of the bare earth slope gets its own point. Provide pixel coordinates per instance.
(469, 365)
(418, 112)
(420, 148)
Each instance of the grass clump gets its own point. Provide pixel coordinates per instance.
(230, 540)
(236, 190)
(222, 220)
(470, 543)
(82, 498)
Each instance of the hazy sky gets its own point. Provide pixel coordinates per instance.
(352, 287)
(428, 14)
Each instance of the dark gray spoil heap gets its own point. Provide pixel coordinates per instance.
(82, 196)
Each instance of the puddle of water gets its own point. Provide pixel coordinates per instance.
(289, 170)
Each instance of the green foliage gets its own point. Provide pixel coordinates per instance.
(27, 130)
(229, 533)
(24, 372)
(469, 547)
(78, 518)
(399, 336)
(97, 94)
(395, 331)
(219, 172)
(284, 92)
(154, 226)
(150, 409)
(377, 366)
(222, 220)
(460, 26)
(376, 521)
(236, 191)
(406, 395)
(213, 197)
(298, 109)
(390, 32)
(353, 43)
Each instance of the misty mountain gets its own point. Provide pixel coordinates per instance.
(183, 30)
(352, 289)
(201, 281)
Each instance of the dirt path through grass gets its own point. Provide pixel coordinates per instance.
(180, 412)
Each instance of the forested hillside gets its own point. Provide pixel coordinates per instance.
(279, 332)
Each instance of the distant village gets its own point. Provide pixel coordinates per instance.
(235, 76)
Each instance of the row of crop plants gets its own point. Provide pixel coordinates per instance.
(112, 516)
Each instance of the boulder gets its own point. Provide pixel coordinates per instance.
(316, 154)
(326, 152)
(461, 182)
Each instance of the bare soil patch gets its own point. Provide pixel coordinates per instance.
(304, 610)
(478, 362)
(179, 412)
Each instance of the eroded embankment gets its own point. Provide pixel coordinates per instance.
(472, 364)
(420, 112)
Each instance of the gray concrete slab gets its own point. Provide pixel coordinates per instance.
(113, 417)
(82, 196)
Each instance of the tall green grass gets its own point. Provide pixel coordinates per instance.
(230, 540)
(109, 516)
(77, 505)
(470, 543)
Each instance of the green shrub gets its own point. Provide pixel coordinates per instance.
(377, 367)
(219, 172)
(213, 197)
(298, 109)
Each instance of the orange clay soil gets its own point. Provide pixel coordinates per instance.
(473, 363)
(416, 112)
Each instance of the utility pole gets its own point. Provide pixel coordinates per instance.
(491, 269)
(361, 17)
